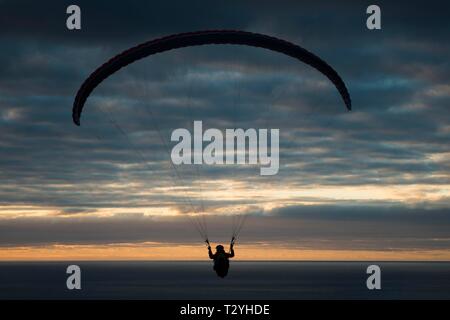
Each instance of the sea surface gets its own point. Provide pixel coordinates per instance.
(246, 280)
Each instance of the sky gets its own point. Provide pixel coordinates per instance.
(370, 184)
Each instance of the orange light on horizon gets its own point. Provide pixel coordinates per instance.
(155, 251)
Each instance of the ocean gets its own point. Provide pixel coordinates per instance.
(246, 280)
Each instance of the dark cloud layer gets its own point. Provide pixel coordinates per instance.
(321, 227)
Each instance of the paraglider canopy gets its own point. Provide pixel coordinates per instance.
(203, 38)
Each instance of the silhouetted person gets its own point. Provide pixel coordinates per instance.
(221, 258)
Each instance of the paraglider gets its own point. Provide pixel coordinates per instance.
(213, 37)
(221, 258)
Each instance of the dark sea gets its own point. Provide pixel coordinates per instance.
(246, 280)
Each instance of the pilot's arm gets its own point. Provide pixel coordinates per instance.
(211, 255)
(231, 254)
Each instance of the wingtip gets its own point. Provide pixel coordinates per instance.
(76, 120)
(348, 103)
